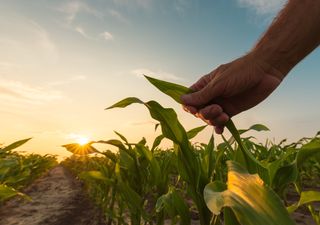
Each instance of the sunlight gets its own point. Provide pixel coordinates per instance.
(82, 140)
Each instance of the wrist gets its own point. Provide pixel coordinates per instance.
(270, 64)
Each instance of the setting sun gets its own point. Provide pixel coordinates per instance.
(82, 140)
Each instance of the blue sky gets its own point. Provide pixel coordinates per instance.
(62, 62)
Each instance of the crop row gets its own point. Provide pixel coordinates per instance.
(19, 170)
(236, 182)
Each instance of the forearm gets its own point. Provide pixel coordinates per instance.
(292, 36)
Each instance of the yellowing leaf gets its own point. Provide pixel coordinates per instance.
(251, 201)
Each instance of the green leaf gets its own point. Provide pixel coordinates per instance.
(96, 175)
(125, 102)
(229, 217)
(15, 145)
(7, 192)
(305, 197)
(250, 162)
(126, 160)
(195, 131)
(157, 142)
(175, 91)
(155, 170)
(251, 201)
(255, 127)
(113, 142)
(122, 137)
(173, 204)
(307, 151)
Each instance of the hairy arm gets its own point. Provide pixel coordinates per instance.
(291, 36)
(245, 82)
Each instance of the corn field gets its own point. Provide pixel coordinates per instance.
(19, 170)
(236, 182)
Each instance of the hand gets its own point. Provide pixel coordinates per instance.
(231, 89)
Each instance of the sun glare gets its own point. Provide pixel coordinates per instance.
(82, 140)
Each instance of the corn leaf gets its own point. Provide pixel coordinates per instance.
(175, 91)
(7, 192)
(157, 142)
(255, 127)
(305, 198)
(15, 145)
(195, 131)
(125, 102)
(251, 201)
(252, 164)
(173, 204)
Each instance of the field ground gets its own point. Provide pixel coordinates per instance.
(58, 199)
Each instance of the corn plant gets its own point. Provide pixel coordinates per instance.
(17, 171)
(234, 197)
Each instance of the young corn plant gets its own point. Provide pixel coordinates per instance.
(247, 198)
(17, 171)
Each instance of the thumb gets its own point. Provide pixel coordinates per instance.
(201, 97)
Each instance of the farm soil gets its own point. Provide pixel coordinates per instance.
(58, 199)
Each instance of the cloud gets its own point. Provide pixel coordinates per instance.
(12, 91)
(145, 4)
(23, 41)
(73, 8)
(157, 74)
(181, 6)
(81, 31)
(117, 15)
(67, 81)
(44, 40)
(262, 7)
(107, 36)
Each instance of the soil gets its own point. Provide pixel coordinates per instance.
(57, 199)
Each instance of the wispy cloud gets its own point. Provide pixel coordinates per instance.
(83, 33)
(17, 92)
(145, 4)
(44, 39)
(181, 6)
(262, 7)
(68, 80)
(158, 74)
(73, 8)
(24, 41)
(107, 36)
(118, 16)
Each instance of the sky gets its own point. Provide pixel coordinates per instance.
(62, 62)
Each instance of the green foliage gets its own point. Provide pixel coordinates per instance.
(17, 171)
(239, 177)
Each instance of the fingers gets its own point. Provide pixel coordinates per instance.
(212, 115)
(190, 109)
(218, 129)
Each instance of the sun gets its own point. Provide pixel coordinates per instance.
(82, 140)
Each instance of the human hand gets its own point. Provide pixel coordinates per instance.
(231, 89)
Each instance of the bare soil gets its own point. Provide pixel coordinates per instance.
(57, 199)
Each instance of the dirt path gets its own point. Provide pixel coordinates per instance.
(57, 199)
